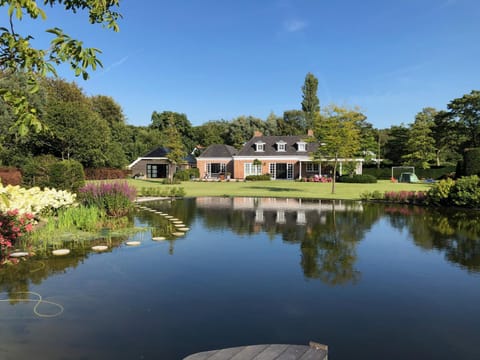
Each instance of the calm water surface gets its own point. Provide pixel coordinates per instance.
(371, 281)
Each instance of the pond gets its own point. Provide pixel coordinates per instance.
(372, 281)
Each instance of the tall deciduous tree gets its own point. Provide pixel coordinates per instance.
(310, 102)
(338, 135)
(466, 111)
(395, 147)
(293, 123)
(161, 121)
(17, 55)
(421, 144)
(448, 138)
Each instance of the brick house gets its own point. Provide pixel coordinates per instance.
(155, 164)
(216, 161)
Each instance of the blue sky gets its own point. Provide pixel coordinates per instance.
(219, 59)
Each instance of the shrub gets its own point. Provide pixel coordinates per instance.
(405, 197)
(187, 174)
(439, 193)
(13, 225)
(116, 198)
(67, 175)
(162, 191)
(471, 162)
(466, 192)
(105, 174)
(374, 195)
(36, 171)
(263, 177)
(358, 179)
(10, 176)
(86, 218)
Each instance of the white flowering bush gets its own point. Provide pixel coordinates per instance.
(34, 200)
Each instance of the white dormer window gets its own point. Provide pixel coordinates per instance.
(259, 146)
(302, 146)
(281, 146)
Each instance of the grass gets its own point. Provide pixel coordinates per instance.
(283, 188)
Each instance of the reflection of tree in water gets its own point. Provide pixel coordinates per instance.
(327, 231)
(455, 232)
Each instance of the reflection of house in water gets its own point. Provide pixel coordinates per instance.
(280, 208)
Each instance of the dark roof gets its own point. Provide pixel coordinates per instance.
(219, 151)
(291, 146)
(163, 151)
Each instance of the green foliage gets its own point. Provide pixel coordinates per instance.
(86, 218)
(263, 177)
(420, 145)
(466, 192)
(36, 171)
(310, 102)
(162, 191)
(358, 179)
(471, 162)
(466, 110)
(439, 193)
(18, 55)
(187, 174)
(67, 175)
(371, 195)
(432, 173)
(294, 122)
(395, 147)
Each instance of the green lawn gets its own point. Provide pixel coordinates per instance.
(283, 188)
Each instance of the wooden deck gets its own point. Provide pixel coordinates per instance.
(266, 352)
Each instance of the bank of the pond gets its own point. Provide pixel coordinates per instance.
(282, 188)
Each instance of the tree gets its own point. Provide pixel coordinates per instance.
(395, 147)
(161, 121)
(211, 132)
(310, 102)
(338, 135)
(17, 55)
(466, 111)
(447, 138)
(293, 123)
(241, 130)
(176, 153)
(421, 144)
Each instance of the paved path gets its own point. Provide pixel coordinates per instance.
(266, 352)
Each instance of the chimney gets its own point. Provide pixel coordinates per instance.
(257, 133)
(310, 132)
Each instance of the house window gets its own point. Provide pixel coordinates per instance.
(215, 169)
(302, 146)
(251, 169)
(281, 146)
(259, 146)
(311, 167)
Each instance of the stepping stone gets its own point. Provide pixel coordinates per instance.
(18, 254)
(168, 217)
(158, 238)
(179, 225)
(177, 221)
(183, 228)
(133, 243)
(61, 252)
(99, 248)
(178, 233)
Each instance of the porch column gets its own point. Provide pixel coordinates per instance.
(340, 170)
(300, 172)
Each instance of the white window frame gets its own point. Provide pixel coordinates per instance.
(302, 146)
(312, 167)
(260, 147)
(281, 146)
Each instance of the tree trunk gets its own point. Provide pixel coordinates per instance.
(334, 173)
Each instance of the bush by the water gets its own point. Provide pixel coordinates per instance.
(463, 192)
(116, 198)
(187, 174)
(258, 177)
(358, 179)
(67, 175)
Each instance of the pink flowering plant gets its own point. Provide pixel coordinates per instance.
(13, 226)
(116, 198)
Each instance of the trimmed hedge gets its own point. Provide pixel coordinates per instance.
(187, 174)
(432, 173)
(10, 176)
(471, 162)
(263, 177)
(105, 174)
(358, 179)
(67, 175)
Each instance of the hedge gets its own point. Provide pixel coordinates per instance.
(105, 174)
(435, 172)
(471, 162)
(67, 175)
(10, 176)
(263, 177)
(358, 179)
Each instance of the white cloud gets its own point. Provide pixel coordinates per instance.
(294, 25)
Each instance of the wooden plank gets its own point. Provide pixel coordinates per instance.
(201, 355)
(225, 354)
(293, 352)
(314, 354)
(271, 352)
(249, 352)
